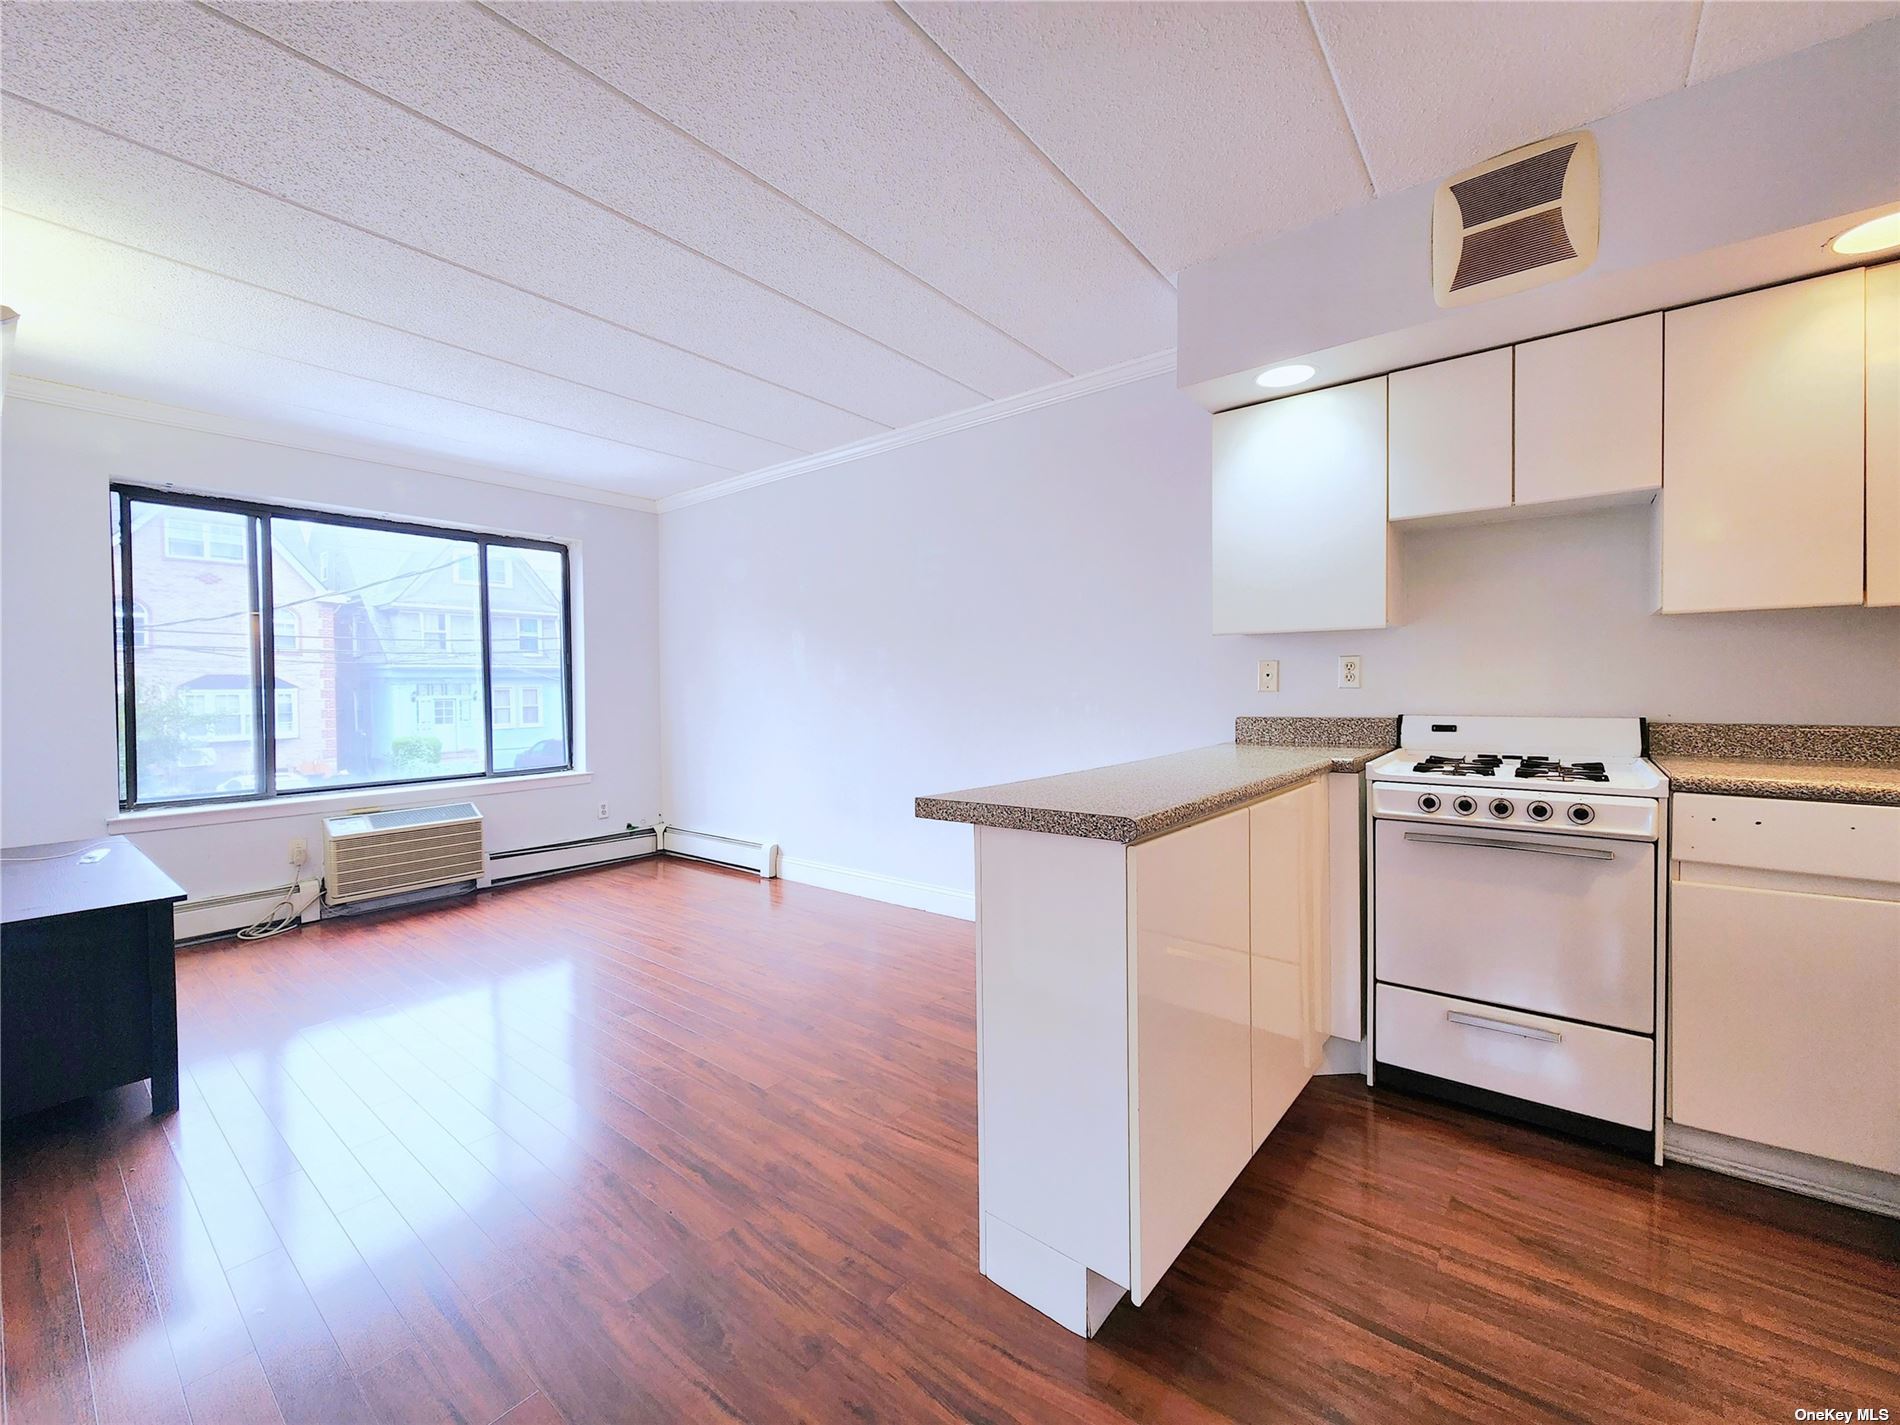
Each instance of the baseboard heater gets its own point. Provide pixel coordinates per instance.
(528, 862)
(759, 857)
(210, 917)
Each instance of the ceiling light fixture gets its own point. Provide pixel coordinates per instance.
(1874, 235)
(1277, 378)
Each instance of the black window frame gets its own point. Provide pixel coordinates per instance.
(263, 641)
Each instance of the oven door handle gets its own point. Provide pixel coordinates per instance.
(1585, 853)
(1503, 1026)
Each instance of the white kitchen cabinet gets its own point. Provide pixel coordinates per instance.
(1883, 434)
(1290, 963)
(1145, 1014)
(1451, 437)
(1764, 472)
(1785, 976)
(1189, 1046)
(1300, 534)
(1588, 412)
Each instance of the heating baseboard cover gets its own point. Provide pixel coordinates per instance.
(526, 861)
(219, 915)
(760, 857)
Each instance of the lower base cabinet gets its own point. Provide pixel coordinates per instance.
(1146, 1014)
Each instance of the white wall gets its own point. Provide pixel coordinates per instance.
(58, 764)
(1031, 596)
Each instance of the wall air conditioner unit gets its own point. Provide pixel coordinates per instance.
(385, 853)
(1516, 221)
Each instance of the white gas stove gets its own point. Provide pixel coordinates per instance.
(1516, 870)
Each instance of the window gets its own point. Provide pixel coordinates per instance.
(386, 662)
(140, 631)
(517, 707)
(500, 571)
(218, 537)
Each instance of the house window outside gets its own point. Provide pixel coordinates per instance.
(378, 668)
(216, 538)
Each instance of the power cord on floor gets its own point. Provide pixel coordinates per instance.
(285, 914)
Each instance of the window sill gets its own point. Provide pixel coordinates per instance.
(334, 803)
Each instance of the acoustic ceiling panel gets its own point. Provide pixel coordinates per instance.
(1196, 128)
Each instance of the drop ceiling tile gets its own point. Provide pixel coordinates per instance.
(1433, 88)
(1196, 128)
(470, 69)
(854, 113)
(390, 377)
(1737, 33)
(72, 175)
(191, 84)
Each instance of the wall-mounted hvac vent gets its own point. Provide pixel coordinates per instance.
(1516, 221)
(384, 853)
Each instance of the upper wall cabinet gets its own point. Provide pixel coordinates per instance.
(1764, 449)
(1883, 434)
(1300, 535)
(1589, 415)
(1451, 437)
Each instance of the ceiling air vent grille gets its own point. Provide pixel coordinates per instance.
(1517, 221)
(1516, 246)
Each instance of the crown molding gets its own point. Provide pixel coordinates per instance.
(108, 403)
(1141, 368)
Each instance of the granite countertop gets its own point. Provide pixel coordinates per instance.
(1798, 762)
(1796, 779)
(1133, 801)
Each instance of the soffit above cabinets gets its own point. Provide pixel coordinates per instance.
(650, 247)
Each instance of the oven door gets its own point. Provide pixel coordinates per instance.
(1545, 922)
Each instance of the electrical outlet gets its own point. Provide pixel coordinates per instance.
(1351, 670)
(1267, 680)
(602, 813)
(299, 851)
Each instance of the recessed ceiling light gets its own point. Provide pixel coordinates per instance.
(1276, 378)
(1874, 235)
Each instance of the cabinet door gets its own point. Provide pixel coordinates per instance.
(1189, 1048)
(1883, 434)
(1300, 534)
(1289, 964)
(1763, 449)
(1589, 414)
(1782, 1006)
(1451, 437)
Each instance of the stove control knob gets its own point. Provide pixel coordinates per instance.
(1538, 811)
(1465, 806)
(1429, 802)
(1502, 807)
(1580, 814)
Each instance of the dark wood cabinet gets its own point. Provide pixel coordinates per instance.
(88, 983)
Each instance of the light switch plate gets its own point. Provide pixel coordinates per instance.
(1267, 679)
(1351, 670)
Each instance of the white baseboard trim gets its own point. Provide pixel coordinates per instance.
(874, 885)
(220, 915)
(1851, 1186)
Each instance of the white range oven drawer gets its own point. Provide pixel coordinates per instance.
(1577, 1067)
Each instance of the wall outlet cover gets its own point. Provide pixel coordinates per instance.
(1351, 670)
(1267, 676)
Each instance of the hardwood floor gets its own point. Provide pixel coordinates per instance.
(662, 1142)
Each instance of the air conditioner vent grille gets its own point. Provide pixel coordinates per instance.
(1528, 183)
(1517, 246)
(382, 853)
